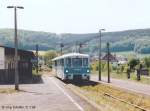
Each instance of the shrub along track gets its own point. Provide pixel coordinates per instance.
(110, 98)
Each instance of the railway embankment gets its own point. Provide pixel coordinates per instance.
(110, 98)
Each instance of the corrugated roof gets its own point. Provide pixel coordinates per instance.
(14, 49)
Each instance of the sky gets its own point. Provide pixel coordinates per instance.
(76, 16)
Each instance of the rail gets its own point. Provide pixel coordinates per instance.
(136, 106)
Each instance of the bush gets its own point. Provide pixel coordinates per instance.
(95, 66)
(147, 62)
(126, 67)
(106, 67)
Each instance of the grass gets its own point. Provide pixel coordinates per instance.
(124, 53)
(96, 94)
(36, 74)
(7, 91)
(123, 76)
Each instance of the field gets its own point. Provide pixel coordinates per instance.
(41, 53)
(129, 54)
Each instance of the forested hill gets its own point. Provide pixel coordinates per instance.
(137, 40)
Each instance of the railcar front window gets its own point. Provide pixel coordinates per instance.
(85, 61)
(62, 62)
(77, 62)
(68, 62)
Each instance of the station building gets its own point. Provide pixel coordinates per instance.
(7, 64)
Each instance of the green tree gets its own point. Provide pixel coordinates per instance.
(49, 55)
(133, 62)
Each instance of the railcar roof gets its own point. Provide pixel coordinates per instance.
(71, 55)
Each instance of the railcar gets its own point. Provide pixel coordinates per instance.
(72, 66)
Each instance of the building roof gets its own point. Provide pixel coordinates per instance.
(71, 55)
(20, 51)
(14, 48)
(111, 57)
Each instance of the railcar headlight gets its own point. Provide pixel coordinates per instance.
(88, 70)
(66, 71)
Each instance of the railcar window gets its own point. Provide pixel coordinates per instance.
(85, 61)
(68, 62)
(77, 62)
(55, 63)
(62, 62)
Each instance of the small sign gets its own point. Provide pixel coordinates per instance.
(2, 58)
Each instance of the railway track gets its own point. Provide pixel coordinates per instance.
(79, 84)
(134, 105)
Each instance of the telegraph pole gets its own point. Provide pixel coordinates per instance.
(108, 54)
(16, 45)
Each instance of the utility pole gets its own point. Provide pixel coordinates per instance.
(37, 59)
(16, 45)
(80, 46)
(61, 48)
(108, 54)
(76, 46)
(100, 34)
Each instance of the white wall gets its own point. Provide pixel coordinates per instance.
(2, 58)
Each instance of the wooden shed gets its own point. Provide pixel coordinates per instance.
(7, 68)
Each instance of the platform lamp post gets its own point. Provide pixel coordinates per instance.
(100, 34)
(16, 45)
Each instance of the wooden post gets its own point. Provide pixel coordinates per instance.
(108, 54)
(128, 72)
(139, 73)
(37, 56)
